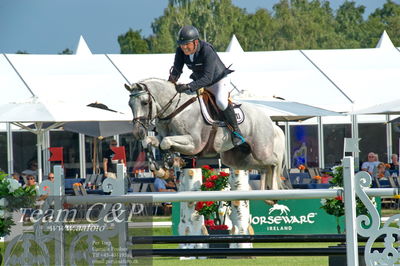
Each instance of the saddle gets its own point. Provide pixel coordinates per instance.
(211, 113)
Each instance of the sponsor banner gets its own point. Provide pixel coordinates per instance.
(303, 216)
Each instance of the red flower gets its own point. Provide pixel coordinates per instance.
(339, 198)
(209, 203)
(213, 177)
(209, 222)
(207, 167)
(223, 174)
(218, 227)
(209, 184)
(199, 205)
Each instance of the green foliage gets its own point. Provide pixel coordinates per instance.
(335, 206)
(212, 181)
(66, 51)
(13, 198)
(292, 24)
(132, 43)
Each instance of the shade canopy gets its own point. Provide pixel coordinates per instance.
(46, 115)
(37, 110)
(290, 111)
(99, 128)
(390, 108)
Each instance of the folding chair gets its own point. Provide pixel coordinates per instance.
(135, 187)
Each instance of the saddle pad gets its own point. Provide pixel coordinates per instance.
(211, 121)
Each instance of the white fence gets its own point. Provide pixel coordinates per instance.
(353, 185)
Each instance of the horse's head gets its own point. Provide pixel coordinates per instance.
(141, 104)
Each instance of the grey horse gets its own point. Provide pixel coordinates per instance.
(154, 100)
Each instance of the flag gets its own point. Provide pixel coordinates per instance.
(119, 153)
(56, 154)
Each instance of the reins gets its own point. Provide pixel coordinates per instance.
(149, 118)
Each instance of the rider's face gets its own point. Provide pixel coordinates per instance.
(189, 48)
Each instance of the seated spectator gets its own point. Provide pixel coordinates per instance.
(382, 172)
(17, 177)
(32, 169)
(394, 165)
(50, 177)
(371, 164)
(30, 181)
(161, 185)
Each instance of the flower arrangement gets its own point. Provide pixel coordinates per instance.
(387, 165)
(212, 181)
(335, 206)
(77, 184)
(12, 198)
(212, 226)
(206, 208)
(301, 167)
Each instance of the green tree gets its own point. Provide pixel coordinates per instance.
(351, 24)
(385, 18)
(133, 43)
(66, 51)
(305, 25)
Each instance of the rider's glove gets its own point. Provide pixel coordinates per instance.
(182, 87)
(172, 79)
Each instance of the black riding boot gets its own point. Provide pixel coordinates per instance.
(230, 118)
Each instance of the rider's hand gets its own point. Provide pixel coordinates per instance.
(172, 79)
(182, 87)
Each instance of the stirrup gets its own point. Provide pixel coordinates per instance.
(236, 135)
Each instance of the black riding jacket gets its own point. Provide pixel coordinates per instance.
(207, 67)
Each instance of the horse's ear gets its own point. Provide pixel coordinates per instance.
(134, 86)
(129, 88)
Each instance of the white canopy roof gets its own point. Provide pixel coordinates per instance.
(329, 79)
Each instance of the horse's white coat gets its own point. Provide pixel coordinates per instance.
(187, 133)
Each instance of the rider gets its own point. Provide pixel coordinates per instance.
(208, 72)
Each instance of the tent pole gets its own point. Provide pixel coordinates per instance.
(94, 155)
(354, 135)
(82, 156)
(10, 155)
(321, 143)
(389, 146)
(39, 156)
(287, 140)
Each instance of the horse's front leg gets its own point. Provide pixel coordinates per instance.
(183, 144)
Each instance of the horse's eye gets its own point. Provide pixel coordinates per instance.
(145, 103)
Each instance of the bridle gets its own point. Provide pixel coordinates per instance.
(146, 121)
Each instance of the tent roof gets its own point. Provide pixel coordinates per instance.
(82, 48)
(73, 78)
(329, 79)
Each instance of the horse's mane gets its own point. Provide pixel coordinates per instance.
(153, 79)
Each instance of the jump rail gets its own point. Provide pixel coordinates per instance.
(244, 239)
(149, 197)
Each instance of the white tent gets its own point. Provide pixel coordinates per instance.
(38, 112)
(337, 80)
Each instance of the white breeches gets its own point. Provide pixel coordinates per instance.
(221, 91)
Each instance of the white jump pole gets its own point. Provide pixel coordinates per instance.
(350, 211)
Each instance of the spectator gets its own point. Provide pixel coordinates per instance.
(371, 164)
(30, 181)
(382, 172)
(109, 164)
(161, 185)
(394, 165)
(32, 169)
(17, 177)
(50, 177)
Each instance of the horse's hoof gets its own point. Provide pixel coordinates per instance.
(271, 202)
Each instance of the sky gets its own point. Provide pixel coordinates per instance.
(50, 26)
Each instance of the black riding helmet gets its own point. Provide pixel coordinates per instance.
(187, 34)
